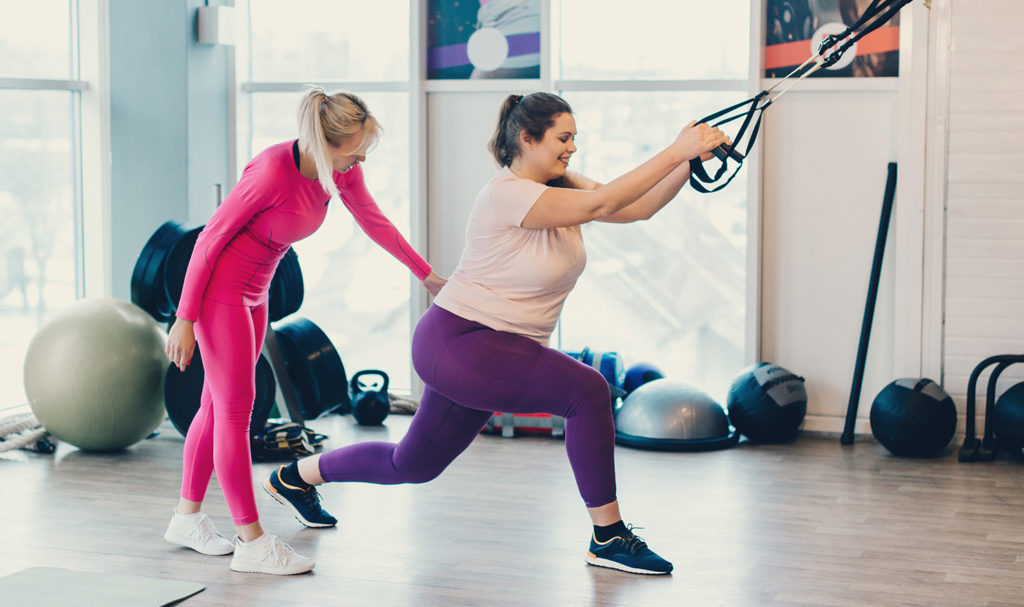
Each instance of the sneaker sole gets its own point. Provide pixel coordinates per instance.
(257, 569)
(269, 489)
(608, 564)
(185, 542)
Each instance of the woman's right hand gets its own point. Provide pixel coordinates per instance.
(433, 283)
(698, 139)
(181, 342)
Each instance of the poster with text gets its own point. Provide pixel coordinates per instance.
(475, 39)
(797, 27)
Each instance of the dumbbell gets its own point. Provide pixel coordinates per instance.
(370, 404)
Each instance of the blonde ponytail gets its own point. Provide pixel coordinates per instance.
(334, 120)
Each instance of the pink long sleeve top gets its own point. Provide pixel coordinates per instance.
(271, 207)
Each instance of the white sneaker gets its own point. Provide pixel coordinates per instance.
(268, 554)
(196, 531)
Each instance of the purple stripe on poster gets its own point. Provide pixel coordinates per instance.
(454, 55)
(523, 44)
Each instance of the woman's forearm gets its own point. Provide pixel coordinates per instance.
(655, 199)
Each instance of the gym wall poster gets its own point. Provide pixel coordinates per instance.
(478, 39)
(795, 28)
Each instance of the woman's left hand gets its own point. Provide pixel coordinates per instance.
(433, 283)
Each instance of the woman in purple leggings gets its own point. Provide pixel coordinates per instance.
(482, 345)
(281, 198)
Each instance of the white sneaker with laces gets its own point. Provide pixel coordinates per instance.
(268, 554)
(197, 531)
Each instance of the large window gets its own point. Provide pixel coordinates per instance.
(652, 39)
(40, 251)
(355, 291)
(670, 291)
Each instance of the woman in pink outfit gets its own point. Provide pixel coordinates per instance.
(282, 197)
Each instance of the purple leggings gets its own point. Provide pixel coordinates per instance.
(471, 370)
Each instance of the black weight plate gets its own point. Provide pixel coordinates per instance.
(286, 288)
(315, 368)
(266, 390)
(147, 283)
(296, 288)
(183, 393)
(323, 358)
(275, 299)
(177, 264)
(300, 372)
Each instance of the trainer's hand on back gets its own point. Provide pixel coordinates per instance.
(181, 342)
(696, 140)
(433, 283)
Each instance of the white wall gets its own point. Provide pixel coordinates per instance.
(168, 125)
(953, 294)
(984, 190)
(825, 161)
(458, 166)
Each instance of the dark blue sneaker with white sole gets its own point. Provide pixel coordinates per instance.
(629, 554)
(304, 503)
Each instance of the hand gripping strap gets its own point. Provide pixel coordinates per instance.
(698, 176)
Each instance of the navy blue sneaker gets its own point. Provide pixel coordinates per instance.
(629, 554)
(304, 503)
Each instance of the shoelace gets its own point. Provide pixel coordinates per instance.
(310, 497)
(204, 530)
(278, 550)
(633, 542)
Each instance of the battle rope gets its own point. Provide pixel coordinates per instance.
(875, 15)
(19, 430)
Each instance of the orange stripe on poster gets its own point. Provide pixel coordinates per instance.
(882, 40)
(786, 54)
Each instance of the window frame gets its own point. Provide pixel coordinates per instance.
(419, 87)
(90, 131)
(243, 87)
(748, 87)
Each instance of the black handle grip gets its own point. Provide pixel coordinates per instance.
(726, 150)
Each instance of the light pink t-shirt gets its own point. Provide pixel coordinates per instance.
(512, 278)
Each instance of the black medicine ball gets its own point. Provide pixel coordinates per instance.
(1009, 420)
(767, 403)
(913, 417)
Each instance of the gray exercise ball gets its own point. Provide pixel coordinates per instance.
(671, 415)
(94, 374)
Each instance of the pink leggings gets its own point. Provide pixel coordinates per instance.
(230, 338)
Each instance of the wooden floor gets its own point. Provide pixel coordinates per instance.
(810, 523)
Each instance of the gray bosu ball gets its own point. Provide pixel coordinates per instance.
(671, 415)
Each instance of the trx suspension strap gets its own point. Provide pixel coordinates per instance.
(868, 22)
(752, 110)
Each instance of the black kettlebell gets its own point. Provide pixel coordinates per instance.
(370, 404)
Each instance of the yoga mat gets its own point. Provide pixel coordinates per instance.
(51, 586)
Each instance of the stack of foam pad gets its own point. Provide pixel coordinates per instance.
(311, 362)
